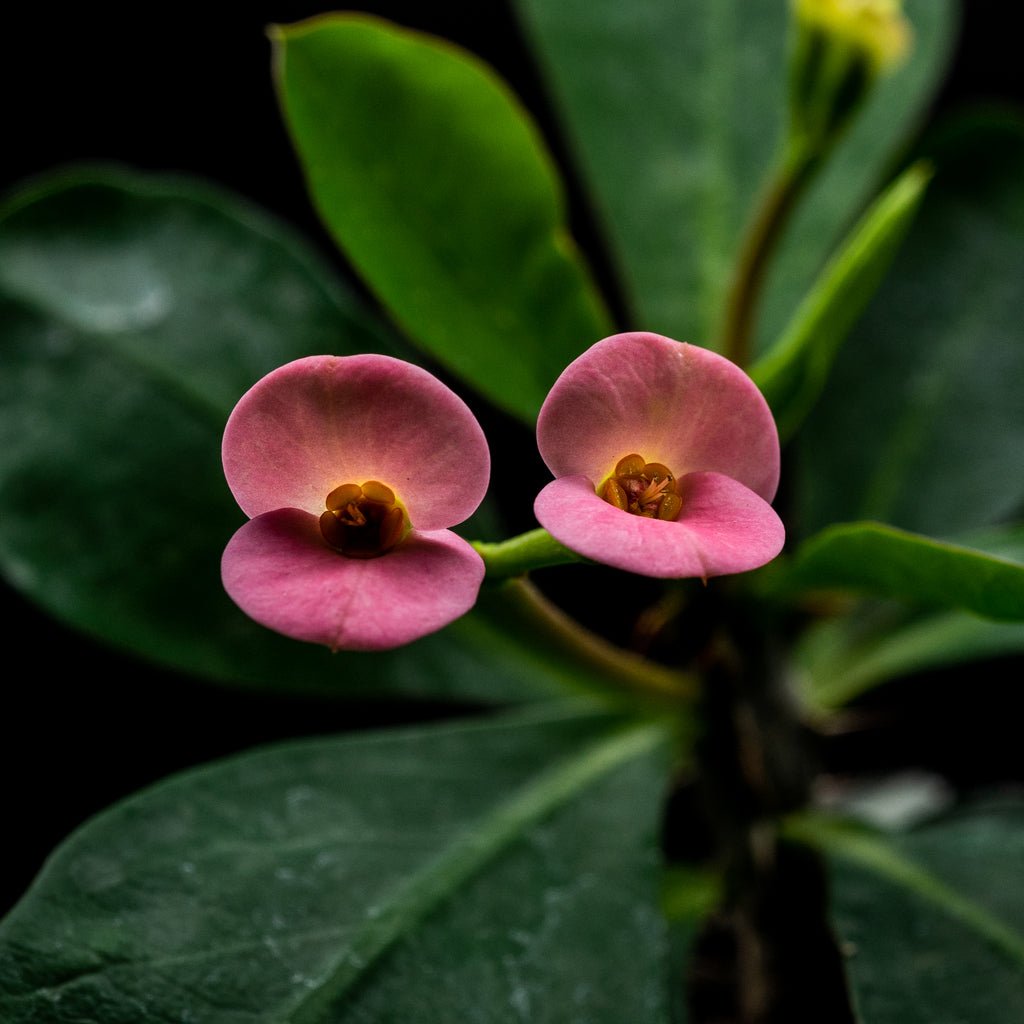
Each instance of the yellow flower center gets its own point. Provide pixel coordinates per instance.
(642, 488)
(363, 521)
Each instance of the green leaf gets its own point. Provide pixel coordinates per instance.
(933, 918)
(689, 893)
(677, 108)
(793, 372)
(135, 312)
(484, 872)
(842, 659)
(437, 186)
(887, 562)
(873, 642)
(922, 424)
(689, 896)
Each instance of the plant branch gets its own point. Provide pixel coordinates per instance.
(517, 556)
(759, 243)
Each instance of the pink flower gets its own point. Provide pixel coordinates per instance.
(351, 470)
(666, 456)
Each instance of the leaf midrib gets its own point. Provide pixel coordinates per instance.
(469, 853)
(873, 853)
(474, 846)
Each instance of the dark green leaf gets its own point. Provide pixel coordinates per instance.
(486, 872)
(933, 919)
(677, 110)
(134, 314)
(922, 423)
(437, 186)
(886, 562)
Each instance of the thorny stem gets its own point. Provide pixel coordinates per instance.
(754, 766)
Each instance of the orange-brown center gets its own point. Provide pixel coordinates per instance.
(642, 488)
(363, 522)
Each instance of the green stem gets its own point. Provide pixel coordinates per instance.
(507, 563)
(759, 243)
(517, 556)
(633, 672)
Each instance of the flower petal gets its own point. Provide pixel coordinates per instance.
(670, 402)
(322, 421)
(723, 528)
(280, 572)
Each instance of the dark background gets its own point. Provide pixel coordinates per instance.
(189, 90)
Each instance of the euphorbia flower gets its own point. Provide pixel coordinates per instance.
(351, 470)
(666, 456)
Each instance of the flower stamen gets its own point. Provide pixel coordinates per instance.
(642, 488)
(363, 521)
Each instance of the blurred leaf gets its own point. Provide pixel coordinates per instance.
(875, 641)
(842, 659)
(677, 110)
(437, 186)
(690, 893)
(886, 562)
(134, 313)
(933, 919)
(922, 423)
(792, 373)
(483, 872)
(688, 897)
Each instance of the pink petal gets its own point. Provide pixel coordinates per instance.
(677, 404)
(279, 571)
(322, 421)
(723, 528)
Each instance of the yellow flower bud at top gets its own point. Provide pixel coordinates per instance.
(840, 48)
(876, 27)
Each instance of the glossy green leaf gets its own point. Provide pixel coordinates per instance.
(933, 918)
(134, 313)
(485, 872)
(793, 372)
(677, 108)
(922, 423)
(841, 659)
(886, 562)
(437, 186)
